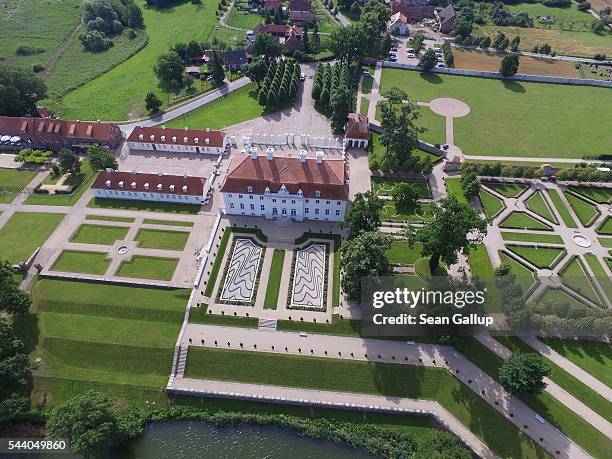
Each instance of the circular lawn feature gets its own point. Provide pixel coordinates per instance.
(446, 106)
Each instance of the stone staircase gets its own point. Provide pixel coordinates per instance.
(182, 360)
(267, 324)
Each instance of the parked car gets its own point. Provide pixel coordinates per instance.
(411, 55)
(440, 66)
(392, 58)
(410, 50)
(366, 73)
(302, 76)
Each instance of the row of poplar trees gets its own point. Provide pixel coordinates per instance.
(331, 91)
(280, 84)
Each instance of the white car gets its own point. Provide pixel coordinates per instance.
(410, 50)
(302, 77)
(411, 55)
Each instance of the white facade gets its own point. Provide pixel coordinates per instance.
(356, 143)
(284, 205)
(179, 145)
(148, 196)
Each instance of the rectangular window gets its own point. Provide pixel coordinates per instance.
(250, 189)
(284, 201)
(239, 196)
(263, 207)
(284, 212)
(337, 203)
(307, 201)
(252, 206)
(317, 201)
(327, 202)
(231, 205)
(261, 198)
(317, 211)
(241, 206)
(306, 210)
(293, 201)
(326, 211)
(250, 196)
(273, 199)
(317, 194)
(337, 213)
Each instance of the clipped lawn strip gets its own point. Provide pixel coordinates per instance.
(143, 267)
(480, 265)
(574, 276)
(599, 195)
(365, 377)
(390, 213)
(148, 206)
(585, 211)
(563, 212)
(492, 204)
(274, 279)
(525, 277)
(201, 316)
(152, 221)
(99, 234)
(109, 218)
(605, 227)
(212, 278)
(509, 190)
(453, 185)
(12, 182)
(537, 204)
(340, 327)
(600, 273)
(605, 241)
(572, 425)
(522, 220)
(531, 237)
(541, 257)
(77, 261)
(401, 253)
(161, 239)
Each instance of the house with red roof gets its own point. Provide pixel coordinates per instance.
(357, 131)
(178, 140)
(285, 187)
(398, 24)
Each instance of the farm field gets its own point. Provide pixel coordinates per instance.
(493, 104)
(117, 95)
(24, 232)
(374, 378)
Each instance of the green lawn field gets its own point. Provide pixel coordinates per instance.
(541, 257)
(453, 185)
(492, 204)
(509, 190)
(390, 213)
(523, 275)
(76, 261)
(24, 232)
(585, 211)
(522, 220)
(120, 92)
(599, 195)
(376, 150)
(159, 239)
(565, 18)
(99, 234)
(365, 106)
(480, 265)
(109, 218)
(433, 126)
(142, 267)
(555, 197)
(363, 377)
(243, 19)
(605, 227)
(384, 186)
(600, 274)
(400, 252)
(274, 280)
(531, 237)
(149, 206)
(12, 181)
(574, 275)
(153, 221)
(536, 204)
(495, 104)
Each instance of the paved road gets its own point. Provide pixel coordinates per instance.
(390, 352)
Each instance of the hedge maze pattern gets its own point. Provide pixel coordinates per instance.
(242, 272)
(308, 279)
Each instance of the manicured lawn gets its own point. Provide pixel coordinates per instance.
(364, 377)
(390, 213)
(522, 220)
(152, 221)
(531, 237)
(242, 19)
(599, 195)
(592, 356)
(492, 204)
(117, 94)
(585, 211)
(110, 218)
(24, 232)
(338, 326)
(99, 234)
(509, 190)
(433, 125)
(274, 279)
(523, 275)
(606, 227)
(235, 107)
(605, 241)
(480, 265)
(495, 104)
(159, 239)
(81, 262)
(366, 85)
(365, 106)
(536, 204)
(454, 187)
(541, 257)
(376, 151)
(600, 273)
(561, 209)
(578, 429)
(575, 277)
(384, 186)
(401, 252)
(149, 206)
(84, 179)
(201, 316)
(142, 267)
(214, 272)
(555, 296)
(12, 181)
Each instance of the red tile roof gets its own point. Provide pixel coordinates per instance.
(328, 177)
(216, 138)
(300, 5)
(195, 185)
(272, 4)
(357, 126)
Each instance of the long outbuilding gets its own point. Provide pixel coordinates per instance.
(178, 140)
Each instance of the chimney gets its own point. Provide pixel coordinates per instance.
(253, 151)
(270, 153)
(319, 157)
(302, 156)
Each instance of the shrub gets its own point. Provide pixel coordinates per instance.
(95, 41)
(38, 67)
(27, 50)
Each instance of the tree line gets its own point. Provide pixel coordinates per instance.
(280, 84)
(331, 91)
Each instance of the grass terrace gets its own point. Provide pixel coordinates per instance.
(383, 186)
(531, 237)
(584, 210)
(109, 218)
(99, 234)
(555, 197)
(402, 253)
(389, 212)
(365, 377)
(274, 279)
(575, 276)
(160, 239)
(453, 184)
(509, 190)
(599, 195)
(142, 267)
(538, 205)
(599, 272)
(540, 257)
(492, 204)
(152, 221)
(522, 220)
(376, 152)
(495, 104)
(24, 232)
(480, 265)
(76, 261)
(433, 126)
(523, 275)
(13, 181)
(201, 316)
(606, 227)
(147, 206)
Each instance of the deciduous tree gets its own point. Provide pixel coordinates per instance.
(524, 373)
(428, 60)
(406, 197)
(152, 102)
(100, 158)
(19, 91)
(169, 70)
(363, 214)
(509, 65)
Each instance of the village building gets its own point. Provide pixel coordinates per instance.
(272, 5)
(150, 187)
(356, 131)
(193, 71)
(413, 10)
(290, 36)
(55, 134)
(446, 19)
(300, 12)
(278, 187)
(236, 60)
(398, 24)
(178, 140)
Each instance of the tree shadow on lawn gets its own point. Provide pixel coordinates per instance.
(433, 78)
(26, 329)
(514, 86)
(593, 352)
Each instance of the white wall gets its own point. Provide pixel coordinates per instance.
(180, 148)
(146, 196)
(287, 205)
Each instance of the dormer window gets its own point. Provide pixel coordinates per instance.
(152, 137)
(174, 139)
(141, 137)
(283, 189)
(184, 188)
(300, 192)
(159, 187)
(133, 185)
(163, 138)
(146, 186)
(121, 184)
(171, 187)
(317, 194)
(249, 189)
(196, 140)
(267, 190)
(108, 183)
